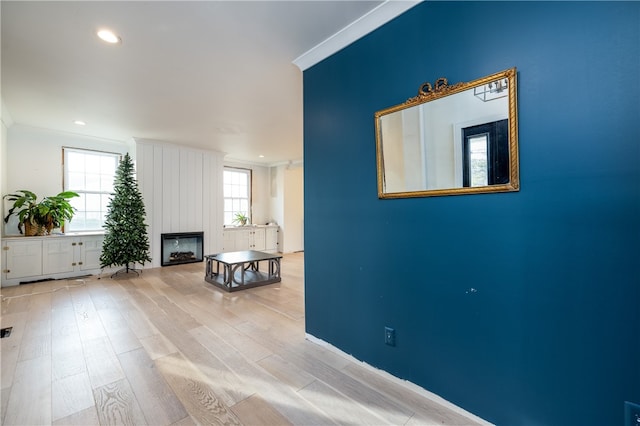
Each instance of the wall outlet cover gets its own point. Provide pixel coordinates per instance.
(389, 336)
(631, 414)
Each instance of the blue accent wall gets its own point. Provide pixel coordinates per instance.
(551, 336)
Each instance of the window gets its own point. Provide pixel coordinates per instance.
(237, 193)
(477, 146)
(91, 175)
(486, 154)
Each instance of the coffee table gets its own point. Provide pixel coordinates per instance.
(241, 269)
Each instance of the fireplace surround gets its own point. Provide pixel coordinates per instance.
(181, 247)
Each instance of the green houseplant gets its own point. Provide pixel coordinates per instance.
(241, 219)
(41, 217)
(57, 209)
(25, 208)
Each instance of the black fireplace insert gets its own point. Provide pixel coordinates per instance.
(181, 247)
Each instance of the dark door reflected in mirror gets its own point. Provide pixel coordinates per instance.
(486, 154)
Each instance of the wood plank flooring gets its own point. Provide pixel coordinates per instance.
(168, 348)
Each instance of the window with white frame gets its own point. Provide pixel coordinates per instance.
(91, 174)
(237, 193)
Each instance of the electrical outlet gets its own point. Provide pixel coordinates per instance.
(631, 414)
(389, 336)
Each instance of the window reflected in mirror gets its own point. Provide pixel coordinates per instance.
(476, 163)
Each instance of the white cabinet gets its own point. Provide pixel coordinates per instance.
(271, 239)
(258, 239)
(228, 241)
(57, 256)
(71, 254)
(22, 259)
(244, 239)
(236, 240)
(90, 251)
(51, 257)
(261, 238)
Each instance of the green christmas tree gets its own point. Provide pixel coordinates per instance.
(126, 241)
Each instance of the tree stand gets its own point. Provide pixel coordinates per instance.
(125, 271)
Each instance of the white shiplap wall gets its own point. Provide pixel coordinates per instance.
(182, 190)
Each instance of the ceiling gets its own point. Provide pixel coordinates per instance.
(217, 75)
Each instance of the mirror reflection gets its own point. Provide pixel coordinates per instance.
(450, 139)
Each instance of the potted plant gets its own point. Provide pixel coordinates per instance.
(41, 217)
(56, 209)
(25, 208)
(241, 219)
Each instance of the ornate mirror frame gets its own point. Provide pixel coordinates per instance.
(486, 89)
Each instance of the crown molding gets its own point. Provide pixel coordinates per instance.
(377, 17)
(233, 162)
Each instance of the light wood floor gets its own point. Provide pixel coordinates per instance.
(167, 348)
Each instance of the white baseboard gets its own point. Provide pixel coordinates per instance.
(405, 383)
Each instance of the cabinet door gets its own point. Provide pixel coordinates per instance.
(24, 259)
(90, 252)
(243, 239)
(258, 239)
(228, 241)
(57, 255)
(271, 239)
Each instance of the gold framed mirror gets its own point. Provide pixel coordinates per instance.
(450, 139)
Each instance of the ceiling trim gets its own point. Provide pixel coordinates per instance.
(354, 31)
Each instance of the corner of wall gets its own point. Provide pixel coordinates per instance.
(4, 118)
(3, 158)
(5, 122)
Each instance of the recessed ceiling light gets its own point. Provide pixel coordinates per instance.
(108, 36)
(79, 123)
(261, 156)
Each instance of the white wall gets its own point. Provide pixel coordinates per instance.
(182, 191)
(35, 157)
(5, 122)
(293, 229)
(260, 200)
(3, 158)
(276, 192)
(287, 206)
(34, 160)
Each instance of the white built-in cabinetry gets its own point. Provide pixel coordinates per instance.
(26, 259)
(271, 239)
(259, 237)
